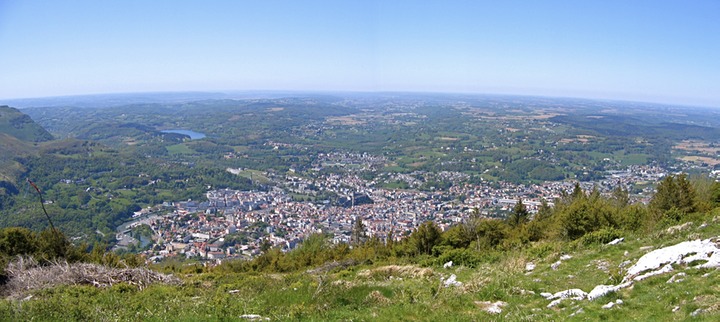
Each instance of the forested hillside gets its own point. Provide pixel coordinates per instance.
(21, 126)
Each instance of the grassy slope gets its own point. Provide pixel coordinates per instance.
(17, 132)
(21, 126)
(411, 293)
(11, 148)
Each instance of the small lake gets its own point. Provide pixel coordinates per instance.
(192, 134)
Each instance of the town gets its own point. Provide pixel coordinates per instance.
(241, 224)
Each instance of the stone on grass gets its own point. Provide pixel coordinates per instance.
(611, 304)
(625, 263)
(450, 281)
(555, 265)
(572, 294)
(697, 312)
(253, 317)
(491, 307)
(660, 260)
(529, 266)
(579, 311)
(602, 290)
(677, 278)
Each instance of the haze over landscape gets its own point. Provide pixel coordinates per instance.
(359, 160)
(657, 51)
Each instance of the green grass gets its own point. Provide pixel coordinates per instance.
(632, 159)
(255, 175)
(299, 196)
(391, 295)
(179, 149)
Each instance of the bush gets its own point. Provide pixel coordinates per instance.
(633, 217)
(462, 256)
(602, 236)
(543, 249)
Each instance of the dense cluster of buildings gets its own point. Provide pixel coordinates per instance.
(237, 224)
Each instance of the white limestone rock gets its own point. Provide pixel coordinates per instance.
(529, 267)
(660, 260)
(612, 304)
(555, 265)
(677, 278)
(601, 290)
(450, 281)
(254, 317)
(491, 307)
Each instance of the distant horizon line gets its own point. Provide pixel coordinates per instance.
(4, 101)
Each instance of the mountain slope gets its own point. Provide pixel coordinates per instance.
(518, 285)
(20, 125)
(11, 148)
(17, 131)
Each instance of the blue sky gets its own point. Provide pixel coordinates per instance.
(658, 51)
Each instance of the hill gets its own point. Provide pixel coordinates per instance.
(668, 274)
(587, 258)
(21, 126)
(10, 149)
(17, 132)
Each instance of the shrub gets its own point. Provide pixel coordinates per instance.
(462, 256)
(602, 236)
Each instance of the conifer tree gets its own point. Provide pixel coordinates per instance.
(425, 238)
(519, 214)
(358, 233)
(620, 197)
(674, 193)
(577, 193)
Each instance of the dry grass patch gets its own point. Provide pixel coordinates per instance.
(345, 120)
(406, 271)
(701, 146)
(26, 275)
(475, 284)
(699, 159)
(708, 303)
(578, 138)
(377, 298)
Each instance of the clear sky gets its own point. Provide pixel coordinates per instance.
(659, 51)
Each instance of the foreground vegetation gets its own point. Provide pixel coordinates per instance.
(493, 261)
(398, 290)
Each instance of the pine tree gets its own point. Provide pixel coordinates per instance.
(674, 193)
(544, 211)
(620, 197)
(519, 214)
(425, 238)
(358, 233)
(577, 193)
(389, 241)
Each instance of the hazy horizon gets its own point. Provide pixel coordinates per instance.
(642, 51)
